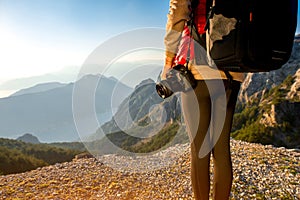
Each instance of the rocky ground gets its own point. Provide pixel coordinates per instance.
(260, 172)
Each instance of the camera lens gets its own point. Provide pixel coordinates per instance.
(179, 79)
(162, 90)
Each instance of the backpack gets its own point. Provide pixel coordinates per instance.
(246, 35)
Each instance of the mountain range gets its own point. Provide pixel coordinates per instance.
(267, 112)
(39, 88)
(46, 110)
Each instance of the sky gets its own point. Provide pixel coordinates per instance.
(47, 36)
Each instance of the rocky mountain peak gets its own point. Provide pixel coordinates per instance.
(29, 138)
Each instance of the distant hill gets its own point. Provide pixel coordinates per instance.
(130, 141)
(29, 138)
(78, 146)
(49, 114)
(39, 88)
(17, 156)
(144, 122)
(65, 75)
(142, 110)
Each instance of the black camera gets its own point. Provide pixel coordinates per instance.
(179, 79)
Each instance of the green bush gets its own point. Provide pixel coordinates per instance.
(255, 133)
(14, 161)
(17, 156)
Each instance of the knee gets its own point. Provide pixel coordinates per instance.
(221, 157)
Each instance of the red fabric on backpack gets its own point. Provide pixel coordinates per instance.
(200, 16)
(200, 21)
(184, 45)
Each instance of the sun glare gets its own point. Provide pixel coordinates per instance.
(22, 57)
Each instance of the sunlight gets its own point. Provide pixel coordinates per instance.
(24, 58)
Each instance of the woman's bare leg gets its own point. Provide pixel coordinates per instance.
(221, 152)
(196, 110)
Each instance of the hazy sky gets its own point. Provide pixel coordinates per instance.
(42, 36)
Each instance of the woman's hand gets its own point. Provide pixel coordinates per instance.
(167, 67)
(165, 70)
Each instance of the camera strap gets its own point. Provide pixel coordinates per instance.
(188, 56)
(190, 25)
